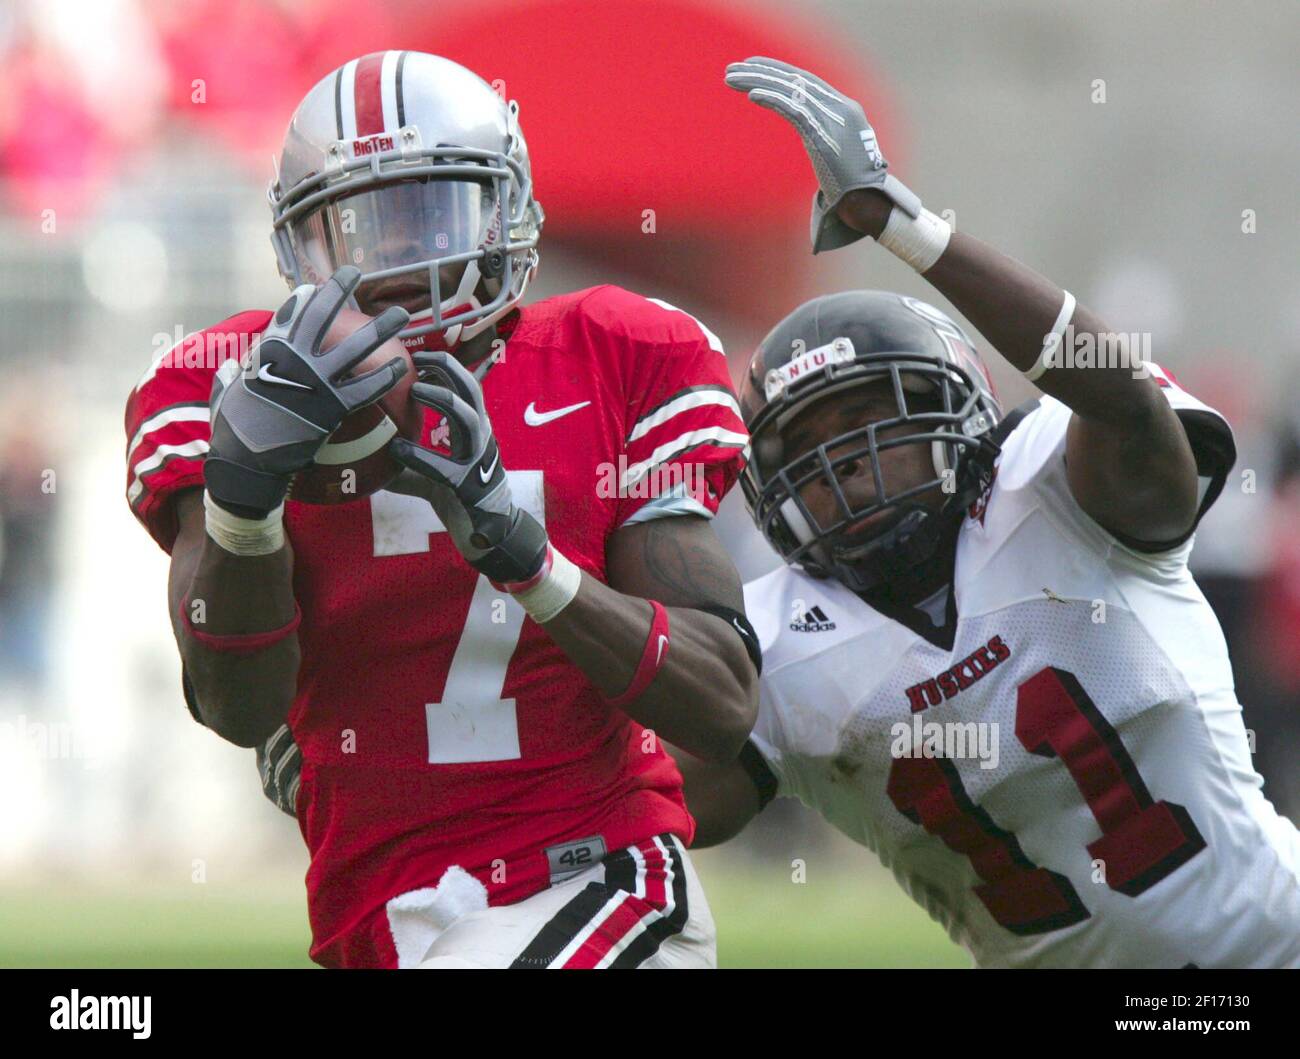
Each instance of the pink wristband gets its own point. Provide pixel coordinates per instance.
(241, 643)
(652, 657)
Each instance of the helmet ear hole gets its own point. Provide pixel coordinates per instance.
(493, 264)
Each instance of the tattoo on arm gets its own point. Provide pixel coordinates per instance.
(691, 567)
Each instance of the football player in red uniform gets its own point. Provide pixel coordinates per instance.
(476, 670)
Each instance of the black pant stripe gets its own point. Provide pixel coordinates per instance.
(647, 943)
(564, 926)
(577, 914)
(620, 871)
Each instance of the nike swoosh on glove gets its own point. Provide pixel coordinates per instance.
(271, 416)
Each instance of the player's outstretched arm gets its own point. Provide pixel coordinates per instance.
(679, 670)
(1130, 464)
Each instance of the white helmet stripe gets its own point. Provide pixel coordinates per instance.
(401, 99)
(347, 100)
(388, 87)
(338, 113)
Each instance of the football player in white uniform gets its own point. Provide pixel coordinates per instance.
(985, 658)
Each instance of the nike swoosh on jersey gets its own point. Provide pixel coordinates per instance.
(663, 642)
(534, 418)
(264, 373)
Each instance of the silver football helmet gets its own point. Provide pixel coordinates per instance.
(412, 169)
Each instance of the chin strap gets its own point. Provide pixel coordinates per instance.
(904, 554)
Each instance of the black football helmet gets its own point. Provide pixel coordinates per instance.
(940, 385)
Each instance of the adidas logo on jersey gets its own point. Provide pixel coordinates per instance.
(814, 620)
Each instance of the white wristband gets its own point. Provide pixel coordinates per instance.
(917, 240)
(244, 536)
(554, 590)
(1052, 340)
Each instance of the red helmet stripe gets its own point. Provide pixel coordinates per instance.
(368, 95)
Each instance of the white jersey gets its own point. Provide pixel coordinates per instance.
(1079, 790)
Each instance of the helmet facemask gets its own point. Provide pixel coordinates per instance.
(937, 405)
(425, 227)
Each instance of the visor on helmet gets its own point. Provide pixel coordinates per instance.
(395, 234)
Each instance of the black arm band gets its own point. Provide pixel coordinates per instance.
(757, 769)
(743, 629)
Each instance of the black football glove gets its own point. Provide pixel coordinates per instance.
(270, 419)
(279, 763)
(469, 488)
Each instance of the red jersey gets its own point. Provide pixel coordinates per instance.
(438, 724)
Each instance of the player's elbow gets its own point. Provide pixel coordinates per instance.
(248, 724)
(245, 713)
(243, 729)
(711, 830)
(735, 709)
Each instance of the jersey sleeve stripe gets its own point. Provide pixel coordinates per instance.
(715, 343)
(684, 422)
(683, 401)
(668, 505)
(193, 412)
(167, 358)
(161, 455)
(720, 437)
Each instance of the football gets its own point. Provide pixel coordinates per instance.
(354, 461)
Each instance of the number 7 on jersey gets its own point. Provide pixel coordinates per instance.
(471, 722)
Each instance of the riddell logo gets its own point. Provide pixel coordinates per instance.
(814, 620)
(371, 145)
(975, 666)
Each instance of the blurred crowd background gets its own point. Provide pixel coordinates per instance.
(1143, 155)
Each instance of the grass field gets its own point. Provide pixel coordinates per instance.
(840, 919)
